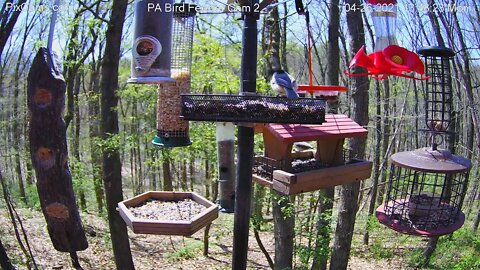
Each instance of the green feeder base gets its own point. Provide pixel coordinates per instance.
(171, 141)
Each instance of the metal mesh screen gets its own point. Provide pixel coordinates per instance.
(424, 201)
(255, 109)
(182, 40)
(438, 92)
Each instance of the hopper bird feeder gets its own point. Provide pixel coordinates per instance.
(292, 173)
(172, 131)
(426, 187)
(387, 58)
(152, 45)
(167, 213)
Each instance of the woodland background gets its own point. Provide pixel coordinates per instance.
(393, 112)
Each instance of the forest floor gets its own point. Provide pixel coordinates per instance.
(165, 252)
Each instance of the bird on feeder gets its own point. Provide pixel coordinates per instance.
(284, 84)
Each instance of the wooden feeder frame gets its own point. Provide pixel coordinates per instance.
(167, 227)
(330, 137)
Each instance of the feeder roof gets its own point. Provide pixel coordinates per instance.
(436, 51)
(435, 161)
(336, 126)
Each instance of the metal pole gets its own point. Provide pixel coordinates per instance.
(243, 188)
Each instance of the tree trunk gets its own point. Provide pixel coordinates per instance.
(284, 230)
(8, 18)
(112, 167)
(376, 163)
(76, 138)
(325, 205)
(349, 193)
(387, 124)
(94, 130)
(4, 260)
(477, 221)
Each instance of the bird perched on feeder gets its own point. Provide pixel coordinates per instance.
(284, 84)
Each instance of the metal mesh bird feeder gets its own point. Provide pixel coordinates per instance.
(152, 46)
(426, 187)
(438, 93)
(172, 131)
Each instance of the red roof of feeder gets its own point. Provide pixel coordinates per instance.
(337, 126)
(375, 2)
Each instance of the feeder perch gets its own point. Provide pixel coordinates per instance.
(253, 109)
(292, 173)
(171, 130)
(185, 227)
(152, 44)
(425, 193)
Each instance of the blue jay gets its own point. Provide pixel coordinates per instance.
(284, 84)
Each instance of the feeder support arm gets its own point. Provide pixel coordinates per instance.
(243, 188)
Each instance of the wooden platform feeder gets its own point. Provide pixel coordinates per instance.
(167, 226)
(333, 168)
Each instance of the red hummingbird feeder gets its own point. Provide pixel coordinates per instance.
(388, 59)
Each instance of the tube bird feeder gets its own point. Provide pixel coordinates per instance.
(438, 92)
(172, 131)
(152, 45)
(225, 135)
(384, 17)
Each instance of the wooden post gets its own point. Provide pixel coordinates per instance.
(48, 150)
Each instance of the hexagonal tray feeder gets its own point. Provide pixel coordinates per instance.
(253, 109)
(137, 218)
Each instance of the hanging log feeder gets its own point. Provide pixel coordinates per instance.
(173, 219)
(48, 150)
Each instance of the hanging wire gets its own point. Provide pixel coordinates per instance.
(53, 20)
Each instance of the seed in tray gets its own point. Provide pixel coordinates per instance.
(184, 210)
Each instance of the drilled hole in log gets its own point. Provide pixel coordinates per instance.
(65, 163)
(43, 97)
(45, 157)
(57, 210)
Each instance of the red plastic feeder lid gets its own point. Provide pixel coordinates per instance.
(396, 225)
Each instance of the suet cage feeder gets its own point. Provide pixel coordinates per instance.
(438, 92)
(426, 187)
(172, 131)
(152, 45)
